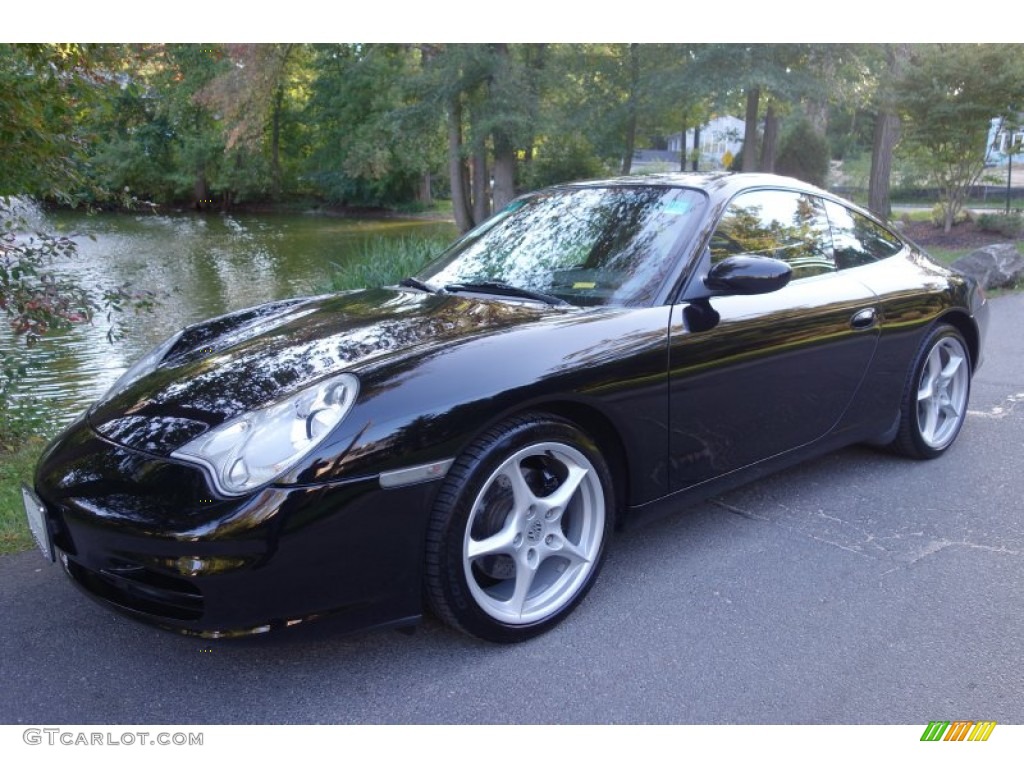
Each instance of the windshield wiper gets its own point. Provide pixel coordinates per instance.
(415, 282)
(504, 289)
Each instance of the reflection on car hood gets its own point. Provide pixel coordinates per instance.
(235, 364)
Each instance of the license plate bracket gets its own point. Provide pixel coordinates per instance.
(35, 511)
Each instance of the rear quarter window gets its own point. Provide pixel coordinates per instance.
(856, 239)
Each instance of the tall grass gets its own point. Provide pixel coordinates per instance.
(17, 464)
(23, 435)
(385, 261)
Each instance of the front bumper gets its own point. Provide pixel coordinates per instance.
(147, 536)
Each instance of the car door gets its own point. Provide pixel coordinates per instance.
(752, 376)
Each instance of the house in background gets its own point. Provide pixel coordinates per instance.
(720, 140)
(1003, 135)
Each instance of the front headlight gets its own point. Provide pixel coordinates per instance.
(258, 447)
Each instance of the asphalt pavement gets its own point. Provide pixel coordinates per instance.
(858, 588)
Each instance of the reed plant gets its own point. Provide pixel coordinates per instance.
(385, 261)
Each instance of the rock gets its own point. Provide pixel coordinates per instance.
(999, 265)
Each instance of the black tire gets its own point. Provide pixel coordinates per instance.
(518, 531)
(935, 396)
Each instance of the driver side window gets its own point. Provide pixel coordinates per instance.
(784, 225)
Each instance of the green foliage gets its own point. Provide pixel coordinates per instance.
(44, 90)
(563, 159)
(386, 262)
(365, 124)
(372, 143)
(31, 298)
(599, 91)
(50, 95)
(804, 154)
(850, 133)
(1008, 225)
(202, 124)
(949, 95)
(35, 301)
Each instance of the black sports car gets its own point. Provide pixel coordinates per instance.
(469, 439)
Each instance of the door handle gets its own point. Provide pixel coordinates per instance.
(864, 319)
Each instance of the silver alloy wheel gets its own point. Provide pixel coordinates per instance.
(942, 392)
(534, 533)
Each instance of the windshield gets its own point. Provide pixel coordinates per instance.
(586, 246)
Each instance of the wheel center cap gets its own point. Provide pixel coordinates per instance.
(533, 533)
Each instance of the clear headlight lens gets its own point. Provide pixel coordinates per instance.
(145, 364)
(257, 447)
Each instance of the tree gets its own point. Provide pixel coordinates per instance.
(253, 97)
(949, 95)
(886, 130)
(373, 139)
(742, 77)
(153, 136)
(489, 96)
(44, 91)
(41, 89)
(804, 154)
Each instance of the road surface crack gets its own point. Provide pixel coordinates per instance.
(1002, 410)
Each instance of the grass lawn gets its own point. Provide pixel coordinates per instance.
(947, 255)
(16, 467)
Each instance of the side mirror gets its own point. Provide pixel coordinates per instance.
(748, 275)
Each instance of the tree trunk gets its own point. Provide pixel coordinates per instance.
(886, 134)
(682, 144)
(696, 146)
(816, 107)
(536, 61)
(504, 149)
(201, 190)
(631, 106)
(275, 144)
(504, 171)
(456, 168)
(750, 131)
(481, 184)
(425, 193)
(627, 154)
(769, 144)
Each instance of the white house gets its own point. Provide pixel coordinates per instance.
(720, 137)
(1001, 137)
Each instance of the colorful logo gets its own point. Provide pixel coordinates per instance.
(958, 730)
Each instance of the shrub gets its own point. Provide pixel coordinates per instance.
(1008, 225)
(35, 301)
(804, 155)
(938, 216)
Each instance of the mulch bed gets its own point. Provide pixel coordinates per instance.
(962, 237)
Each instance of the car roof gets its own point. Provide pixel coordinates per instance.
(714, 183)
(721, 186)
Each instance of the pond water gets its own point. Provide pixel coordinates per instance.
(204, 265)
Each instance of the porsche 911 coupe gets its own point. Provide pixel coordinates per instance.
(467, 440)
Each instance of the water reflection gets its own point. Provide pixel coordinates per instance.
(207, 265)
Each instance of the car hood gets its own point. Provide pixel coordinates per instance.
(244, 361)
